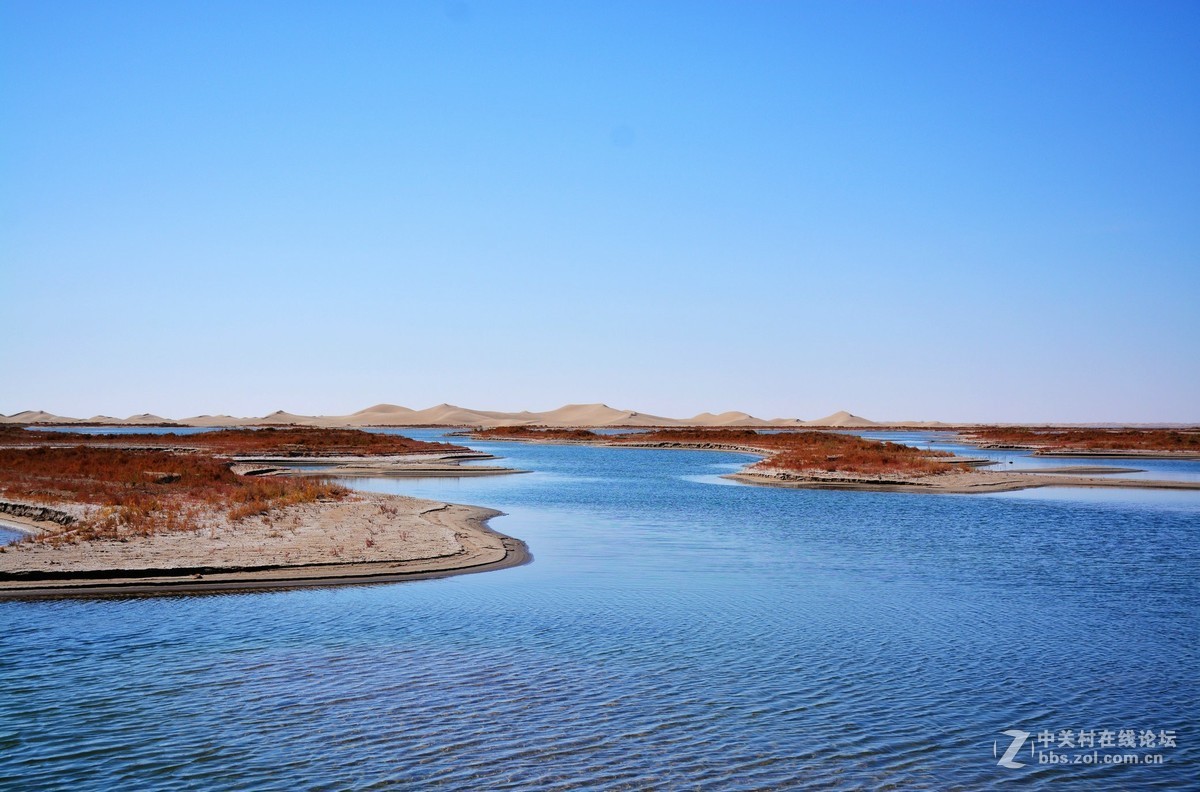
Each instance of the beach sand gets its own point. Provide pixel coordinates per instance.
(364, 538)
(399, 466)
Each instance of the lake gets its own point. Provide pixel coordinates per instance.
(675, 630)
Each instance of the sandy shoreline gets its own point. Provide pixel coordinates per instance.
(969, 480)
(1131, 454)
(365, 538)
(957, 483)
(398, 466)
(17, 525)
(1097, 470)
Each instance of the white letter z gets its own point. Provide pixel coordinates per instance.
(1019, 738)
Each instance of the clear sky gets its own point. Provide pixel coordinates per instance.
(928, 210)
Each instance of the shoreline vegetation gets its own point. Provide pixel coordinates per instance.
(821, 459)
(285, 451)
(1078, 442)
(293, 441)
(137, 513)
(141, 513)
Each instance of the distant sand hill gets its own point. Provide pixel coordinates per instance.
(582, 415)
(841, 418)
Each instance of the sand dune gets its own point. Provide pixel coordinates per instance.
(583, 415)
(525, 416)
(146, 418)
(569, 415)
(731, 418)
(284, 418)
(381, 411)
(384, 409)
(449, 415)
(841, 418)
(213, 420)
(597, 415)
(36, 416)
(380, 415)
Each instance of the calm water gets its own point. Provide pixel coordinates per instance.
(674, 631)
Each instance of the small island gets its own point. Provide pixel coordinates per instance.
(823, 459)
(1088, 442)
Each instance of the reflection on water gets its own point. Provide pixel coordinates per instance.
(670, 633)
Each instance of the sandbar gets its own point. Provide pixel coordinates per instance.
(396, 466)
(958, 482)
(364, 538)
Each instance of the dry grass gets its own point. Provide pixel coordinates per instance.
(865, 456)
(290, 441)
(800, 452)
(1056, 438)
(809, 451)
(535, 433)
(144, 492)
(696, 435)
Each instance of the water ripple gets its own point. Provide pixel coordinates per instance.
(671, 634)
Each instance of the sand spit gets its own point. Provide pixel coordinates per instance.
(958, 482)
(966, 480)
(1093, 470)
(1083, 453)
(1130, 454)
(400, 466)
(363, 538)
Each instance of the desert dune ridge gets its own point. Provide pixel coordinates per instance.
(573, 415)
(586, 416)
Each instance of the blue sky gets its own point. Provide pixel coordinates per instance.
(955, 211)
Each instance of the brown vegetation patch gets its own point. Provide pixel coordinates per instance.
(732, 437)
(865, 456)
(1056, 438)
(289, 441)
(143, 492)
(535, 433)
(809, 451)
